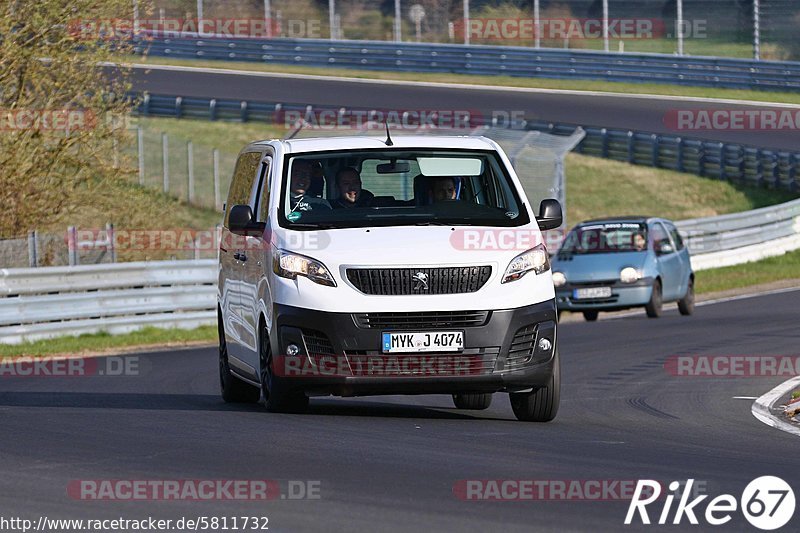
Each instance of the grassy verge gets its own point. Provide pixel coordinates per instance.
(783, 267)
(496, 81)
(105, 343)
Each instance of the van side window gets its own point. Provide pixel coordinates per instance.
(242, 184)
(263, 202)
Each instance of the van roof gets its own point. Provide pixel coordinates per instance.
(320, 144)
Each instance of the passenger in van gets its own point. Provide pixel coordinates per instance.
(317, 180)
(444, 189)
(300, 199)
(348, 184)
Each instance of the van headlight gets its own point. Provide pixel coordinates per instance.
(535, 260)
(559, 279)
(629, 275)
(289, 265)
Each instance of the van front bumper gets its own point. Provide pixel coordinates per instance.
(340, 353)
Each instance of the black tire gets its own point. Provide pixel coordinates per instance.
(590, 316)
(278, 396)
(472, 401)
(656, 303)
(686, 304)
(540, 405)
(233, 389)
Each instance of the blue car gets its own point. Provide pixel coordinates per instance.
(619, 263)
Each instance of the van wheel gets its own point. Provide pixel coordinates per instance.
(590, 316)
(278, 396)
(233, 389)
(686, 304)
(653, 307)
(472, 401)
(541, 405)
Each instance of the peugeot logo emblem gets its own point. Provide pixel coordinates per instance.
(420, 281)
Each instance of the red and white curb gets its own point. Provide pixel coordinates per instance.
(761, 408)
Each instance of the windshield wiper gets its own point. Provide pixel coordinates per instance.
(321, 225)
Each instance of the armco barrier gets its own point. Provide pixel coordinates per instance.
(37, 303)
(748, 165)
(488, 60)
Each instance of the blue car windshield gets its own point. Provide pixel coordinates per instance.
(611, 237)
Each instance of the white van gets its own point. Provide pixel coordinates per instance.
(364, 265)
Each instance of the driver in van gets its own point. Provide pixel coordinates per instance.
(300, 199)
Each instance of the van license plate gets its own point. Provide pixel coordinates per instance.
(423, 341)
(592, 292)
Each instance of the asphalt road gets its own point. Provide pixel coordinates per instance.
(390, 463)
(644, 114)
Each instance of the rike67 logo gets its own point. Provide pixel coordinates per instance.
(767, 503)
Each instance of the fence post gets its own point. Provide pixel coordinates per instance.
(178, 107)
(33, 260)
(243, 110)
(140, 149)
(190, 165)
(110, 238)
(165, 160)
(72, 243)
(212, 109)
(216, 178)
(679, 156)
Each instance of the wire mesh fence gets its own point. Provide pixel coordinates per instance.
(697, 27)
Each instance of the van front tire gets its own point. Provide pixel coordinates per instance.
(278, 397)
(472, 401)
(540, 405)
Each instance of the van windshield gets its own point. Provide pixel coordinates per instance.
(346, 189)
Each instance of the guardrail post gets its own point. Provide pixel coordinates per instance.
(243, 110)
(655, 148)
(759, 168)
(723, 173)
(631, 148)
(146, 104)
(604, 145)
(178, 107)
(190, 170)
(679, 156)
(701, 160)
(212, 109)
(110, 238)
(793, 160)
(72, 244)
(165, 160)
(33, 260)
(216, 178)
(776, 171)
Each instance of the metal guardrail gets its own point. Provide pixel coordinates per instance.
(37, 303)
(489, 60)
(744, 164)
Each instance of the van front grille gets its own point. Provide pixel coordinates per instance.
(406, 281)
(420, 320)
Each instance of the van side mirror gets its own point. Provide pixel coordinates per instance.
(550, 215)
(241, 221)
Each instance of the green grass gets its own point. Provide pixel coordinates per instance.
(601, 187)
(509, 81)
(796, 394)
(104, 342)
(783, 267)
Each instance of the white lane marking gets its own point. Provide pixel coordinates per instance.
(745, 398)
(495, 88)
(761, 407)
(746, 296)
